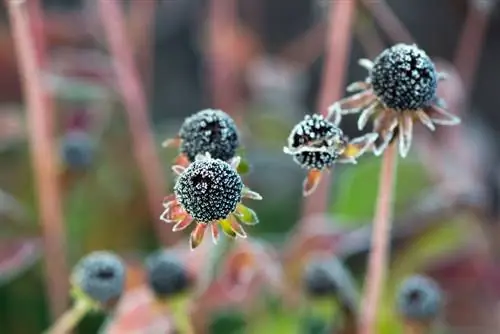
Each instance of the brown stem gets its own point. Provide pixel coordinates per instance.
(43, 157)
(136, 107)
(378, 259)
(341, 18)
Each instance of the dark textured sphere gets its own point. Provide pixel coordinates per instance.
(166, 274)
(100, 275)
(419, 298)
(211, 131)
(209, 190)
(404, 78)
(314, 128)
(77, 149)
(319, 279)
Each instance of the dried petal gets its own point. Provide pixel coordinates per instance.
(311, 181)
(246, 215)
(178, 169)
(358, 86)
(172, 142)
(247, 193)
(366, 63)
(405, 135)
(354, 104)
(237, 228)
(183, 224)
(227, 228)
(448, 120)
(425, 119)
(367, 113)
(197, 235)
(215, 233)
(358, 146)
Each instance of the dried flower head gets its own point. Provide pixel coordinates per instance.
(207, 131)
(166, 274)
(419, 298)
(317, 143)
(100, 276)
(209, 192)
(400, 89)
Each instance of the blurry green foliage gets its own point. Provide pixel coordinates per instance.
(228, 322)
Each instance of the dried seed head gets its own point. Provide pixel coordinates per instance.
(100, 275)
(404, 78)
(321, 278)
(166, 274)
(209, 190)
(211, 131)
(317, 132)
(77, 149)
(419, 298)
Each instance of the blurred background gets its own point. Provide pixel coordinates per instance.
(261, 61)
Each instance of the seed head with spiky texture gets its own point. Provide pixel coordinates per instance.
(321, 133)
(100, 275)
(166, 274)
(404, 78)
(211, 131)
(419, 298)
(209, 190)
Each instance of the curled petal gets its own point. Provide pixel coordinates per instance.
(384, 126)
(237, 228)
(172, 142)
(367, 113)
(425, 119)
(334, 114)
(246, 215)
(311, 182)
(227, 228)
(215, 233)
(366, 63)
(235, 162)
(357, 86)
(196, 236)
(183, 224)
(449, 119)
(169, 200)
(173, 213)
(358, 146)
(247, 193)
(178, 169)
(181, 160)
(355, 103)
(405, 135)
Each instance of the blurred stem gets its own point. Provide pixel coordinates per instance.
(180, 311)
(70, 319)
(379, 254)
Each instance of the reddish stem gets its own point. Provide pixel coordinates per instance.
(43, 157)
(378, 259)
(136, 107)
(342, 15)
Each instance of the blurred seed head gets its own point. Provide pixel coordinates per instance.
(404, 78)
(166, 274)
(77, 149)
(419, 298)
(211, 131)
(100, 276)
(209, 190)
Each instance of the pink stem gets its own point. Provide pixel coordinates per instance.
(136, 107)
(43, 157)
(342, 15)
(378, 258)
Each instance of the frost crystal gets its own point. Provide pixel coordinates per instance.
(209, 190)
(404, 78)
(211, 131)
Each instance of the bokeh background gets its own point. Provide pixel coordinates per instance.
(262, 62)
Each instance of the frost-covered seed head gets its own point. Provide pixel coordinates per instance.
(211, 131)
(319, 280)
(209, 190)
(100, 275)
(404, 78)
(166, 274)
(419, 298)
(77, 149)
(314, 128)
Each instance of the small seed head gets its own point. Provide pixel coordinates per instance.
(211, 131)
(166, 274)
(100, 275)
(209, 190)
(419, 298)
(319, 280)
(404, 78)
(77, 149)
(317, 132)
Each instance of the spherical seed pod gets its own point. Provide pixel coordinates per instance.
(317, 132)
(209, 190)
(211, 131)
(100, 275)
(77, 149)
(166, 274)
(419, 298)
(404, 78)
(319, 280)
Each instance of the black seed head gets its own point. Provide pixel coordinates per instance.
(320, 280)
(211, 131)
(317, 132)
(404, 78)
(419, 298)
(100, 275)
(209, 190)
(77, 149)
(166, 274)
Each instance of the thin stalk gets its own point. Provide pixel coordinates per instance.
(43, 157)
(136, 107)
(179, 307)
(71, 318)
(339, 35)
(379, 255)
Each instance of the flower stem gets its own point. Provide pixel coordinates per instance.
(179, 307)
(70, 319)
(379, 254)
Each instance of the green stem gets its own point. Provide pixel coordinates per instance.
(70, 319)
(180, 312)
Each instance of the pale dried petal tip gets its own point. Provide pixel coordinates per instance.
(311, 182)
(178, 169)
(246, 215)
(215, 233)
(183, 224)
(448, 120)
(197, 234)
(366, 114)
(425, 120)
(247, 193)
(357, 86)
(171, 142)
(405, 135)
(334, 114)
(366, 63)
